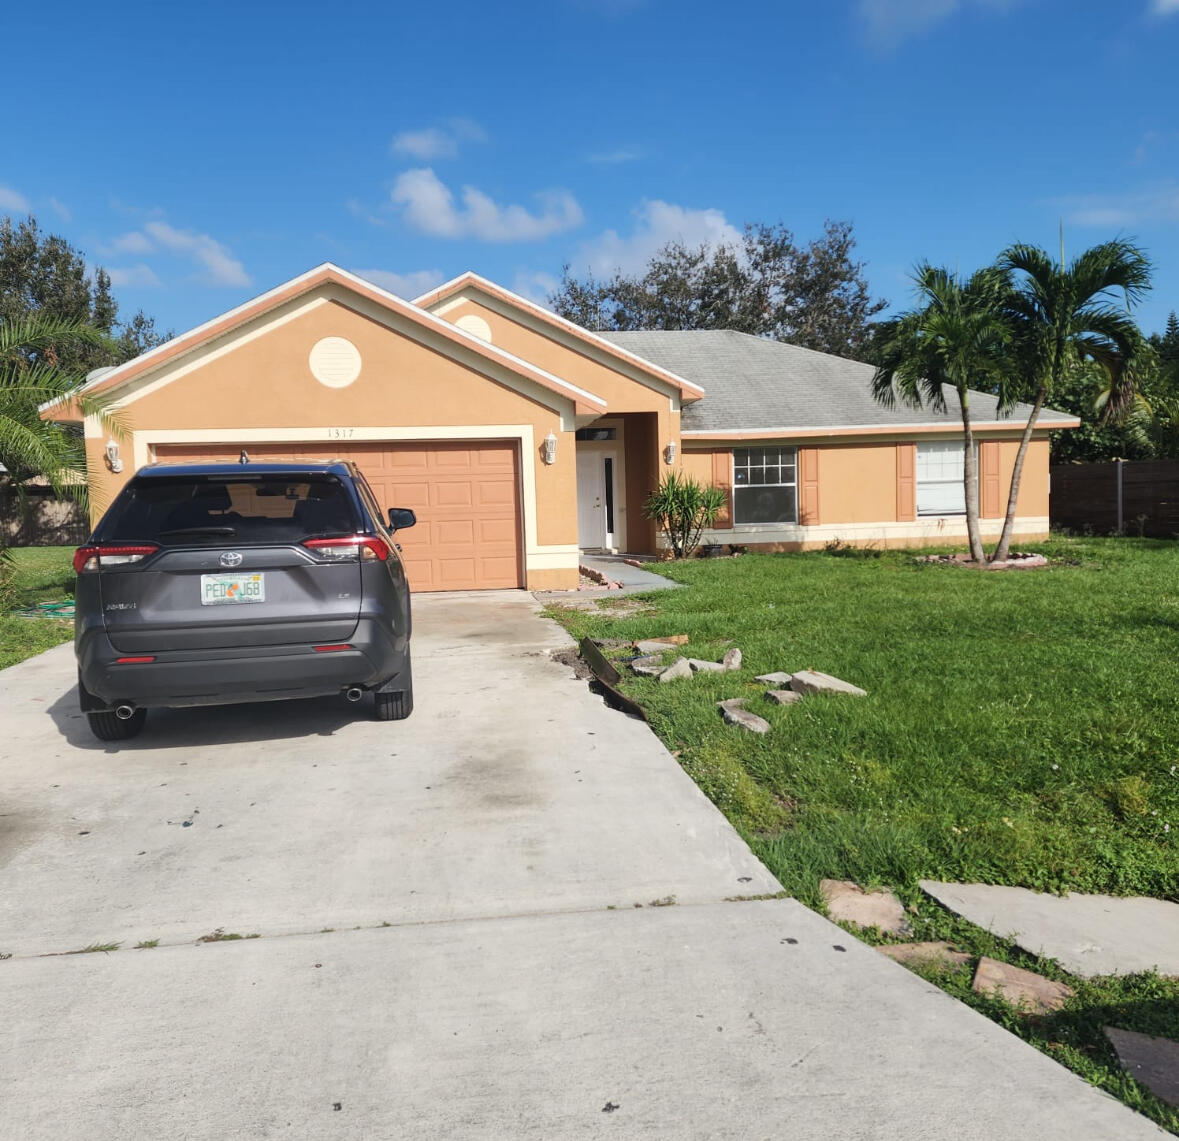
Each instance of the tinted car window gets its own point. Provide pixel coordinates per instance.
(185, 511)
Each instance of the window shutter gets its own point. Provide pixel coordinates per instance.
(808, 486)
(722, 477)
(989, 479)
(906, 482)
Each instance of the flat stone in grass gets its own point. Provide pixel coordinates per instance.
(649, 666)
(732, 659)
(700, 666)
(679, 668)
(1019, 987)
(654, 647)
(734, 714)
(940, 954)
(1151, 1062)
(847, 902)
(812, 681)
(783, 696)
(1088, 935)
(782, 680)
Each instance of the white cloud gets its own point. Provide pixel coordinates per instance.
(13, 200)
(134, 276)
(889, 22)
(61, 209)
(657, 224)
(132, 243)
(220, 266)
(1114, 211)
(1164, 7)
(535, 284)
(432, 143)
(428, 205)
(407, 285)
(616, 156)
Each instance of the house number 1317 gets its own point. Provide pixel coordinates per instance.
(341, 433)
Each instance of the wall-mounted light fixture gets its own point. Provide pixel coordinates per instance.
(113, 460)
(669, 453)
(550, 449)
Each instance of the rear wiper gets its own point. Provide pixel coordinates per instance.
(199, 531)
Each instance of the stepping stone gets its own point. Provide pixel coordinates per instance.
(847, 902)
(1088, 935)
(654, 647)
(650, 666)
(1019, 987)
(1151, 1062)
(783, 696)
(779, 679)
(734, 714)
(705, 667)
(940, 954)
(679, 668)
(732, 659)
(811, 681)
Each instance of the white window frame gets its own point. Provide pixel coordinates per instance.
(958, 480)
(781, 449)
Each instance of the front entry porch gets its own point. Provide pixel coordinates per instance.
(618, 466)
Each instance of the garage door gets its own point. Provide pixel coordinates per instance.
(465, 494)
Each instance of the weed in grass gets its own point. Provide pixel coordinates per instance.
(223, 936)
(147, 944)
(95, 948)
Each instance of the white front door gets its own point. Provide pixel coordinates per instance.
(591, 498)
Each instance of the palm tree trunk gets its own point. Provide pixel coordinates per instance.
(970, 480)
(1000, 552)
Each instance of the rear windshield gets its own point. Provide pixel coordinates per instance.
(185, 511)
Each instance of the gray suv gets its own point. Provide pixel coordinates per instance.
(206, 584)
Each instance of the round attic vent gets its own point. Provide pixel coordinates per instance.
(475, 325)
(334, 361)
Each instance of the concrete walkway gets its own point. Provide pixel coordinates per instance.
(635, 580)
(511, 916)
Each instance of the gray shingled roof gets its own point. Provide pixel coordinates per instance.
(750, 382)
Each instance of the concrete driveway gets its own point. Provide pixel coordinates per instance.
(457, 935)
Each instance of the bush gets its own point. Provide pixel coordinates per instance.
(682, 508)
(7, 581)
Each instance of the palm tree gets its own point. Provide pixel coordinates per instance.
(30, 378)
(957, 339)
(1063, 314)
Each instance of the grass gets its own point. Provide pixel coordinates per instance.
(1020, 728)
(41, 574)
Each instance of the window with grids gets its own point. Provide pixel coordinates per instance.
(940, 490)
(765, 485)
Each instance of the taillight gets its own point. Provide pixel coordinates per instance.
(92, 558)
(351, 549)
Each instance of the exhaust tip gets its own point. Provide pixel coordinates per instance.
(354, 693)
(124, 712)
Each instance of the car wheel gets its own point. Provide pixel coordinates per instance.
(106, 726)
(398, 705)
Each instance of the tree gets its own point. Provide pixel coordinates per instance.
(43, 275)
(1061, 315)
(814, 296)
(955, 340)
(30, 446)
(682, 508)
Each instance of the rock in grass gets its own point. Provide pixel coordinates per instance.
(649, 666)
(940, 954)
(812, 681)
(847, 902)
(1151, 1062)
(732, 659)
(705, 667)
(779, 679)
(783, 696)
(679, 668)
(734, 714)
(654, 647)
(1022, 988)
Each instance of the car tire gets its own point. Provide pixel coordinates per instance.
(397, 705)
(106, 726)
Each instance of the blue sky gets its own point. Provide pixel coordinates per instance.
(205, 153)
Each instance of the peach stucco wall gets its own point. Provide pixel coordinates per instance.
(266, 383)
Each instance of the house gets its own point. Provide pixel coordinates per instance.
(520, 438)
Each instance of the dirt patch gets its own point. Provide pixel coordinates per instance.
(571, 658)
(1016, 560)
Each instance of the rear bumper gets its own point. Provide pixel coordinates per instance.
(230, 676)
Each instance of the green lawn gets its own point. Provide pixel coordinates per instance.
(43, 575)
(1020, 728)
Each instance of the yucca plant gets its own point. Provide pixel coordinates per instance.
(682, 508)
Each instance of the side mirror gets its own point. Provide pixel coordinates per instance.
(400, 518)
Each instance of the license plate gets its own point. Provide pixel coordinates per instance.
(232, 589)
